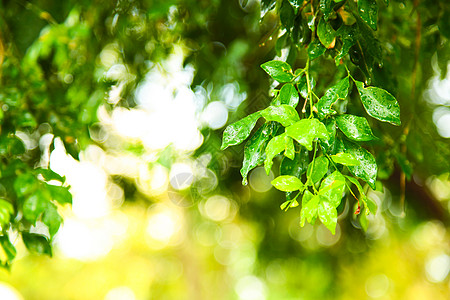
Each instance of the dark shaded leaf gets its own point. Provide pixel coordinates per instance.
(315, 49)
(254, 154)
(237, 132)
(368, 10)
(37, 243)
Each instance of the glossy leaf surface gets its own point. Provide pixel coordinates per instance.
(278, 70)
(284, 114)
(287, 183)
(254, 148)
(379, 104)
(367, 168)
(355, 128)
(237, 132)
(306, 130)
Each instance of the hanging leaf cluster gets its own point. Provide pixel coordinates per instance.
(322, 157)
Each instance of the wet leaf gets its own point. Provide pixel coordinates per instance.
(336, 92)
(328, 144)
(289, 148)
(327, 214)
(302, 85)
(237, 132)
(284, 114)
(288, 95)
(254, 154)
(278, 70)
(326, 34)
(345, 159)
(368, 11)
(315, 49)
(355, 128)
(317, 169)
(379, 104)
(274, 147)
(367, 169)
(333, 187)
(326, 8)
(310, 204)
(287, 183)
(306, 130)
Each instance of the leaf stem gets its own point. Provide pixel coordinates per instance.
(308, 83)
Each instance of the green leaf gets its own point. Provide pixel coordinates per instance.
(336, 92)
(347, 34)
(379, 104)
(315, 49)
(34, 206)
(284, 114)
(288, 204)
(278, 70)
(6, 210)
(287, 15)
(310, 204)
(287, 183)
(355, 128)
(50, 175)
(345, 159)
(326, 34)
(368, 11)
(367, 169)
(326, 8)
(254, 148)
(306, 130)
(60, 194)
(25, 184)
(37, 243)
(302, 85)
(328, 144)
(237, 132)
(289, 148)
(328, 215)
(8, 248)
(297, 166)
(317, 169)
(333, 187)
(274, 147)
(288, 95)
(52, 219)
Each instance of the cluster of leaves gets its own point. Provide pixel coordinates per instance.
(319, 161)
(331, 160)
